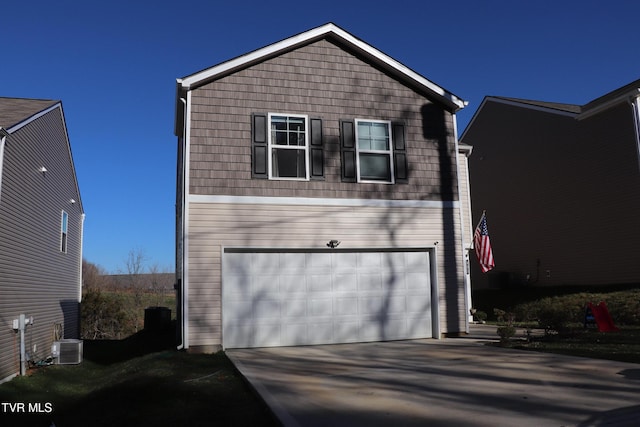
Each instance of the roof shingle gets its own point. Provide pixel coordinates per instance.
(16, 110)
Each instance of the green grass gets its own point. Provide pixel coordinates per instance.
(622, 345)
(140, 381)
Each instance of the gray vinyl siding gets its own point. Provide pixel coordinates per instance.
(36, 278)
(562, 195)
(213, 226)
(323, 81)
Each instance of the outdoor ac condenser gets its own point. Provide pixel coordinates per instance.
(67, 352)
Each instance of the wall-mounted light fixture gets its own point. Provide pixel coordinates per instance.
(333, 244)
(72, 201)
(42, 169)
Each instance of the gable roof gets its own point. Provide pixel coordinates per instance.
(624, 94)
(559, 107)
(14, 111)
(570, 110)
(337, 35)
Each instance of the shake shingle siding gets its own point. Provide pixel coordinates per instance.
(322, 81)
(36, 278)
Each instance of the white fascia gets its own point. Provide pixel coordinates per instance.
(306, 36)
(632, 95)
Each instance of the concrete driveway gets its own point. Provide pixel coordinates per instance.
(454, 381)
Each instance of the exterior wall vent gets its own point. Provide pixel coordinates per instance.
(67, 352)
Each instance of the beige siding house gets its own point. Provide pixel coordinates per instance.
(319, 199)
(561, 186)
(41, 226)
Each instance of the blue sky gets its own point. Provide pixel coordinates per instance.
(114, 65)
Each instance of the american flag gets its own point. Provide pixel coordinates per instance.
(483, 245)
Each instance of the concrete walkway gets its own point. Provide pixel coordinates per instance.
(453, 381)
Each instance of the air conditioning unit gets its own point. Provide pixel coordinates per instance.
(67, 352)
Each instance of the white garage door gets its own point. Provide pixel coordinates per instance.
(324, 297)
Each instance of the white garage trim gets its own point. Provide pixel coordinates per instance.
(347, 295)
(323, 201)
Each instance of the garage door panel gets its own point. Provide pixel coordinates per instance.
(369, 281)
(320, 307)
(295, 334)
(345, 263)
(397, 304)
(264, 308)
(295, 308)
(322, 332)
(346, 305)
(297, 298)
(268, 335)
(344, 282)
(320, 283)
(318, 261)
(346, 330)
(292, 283)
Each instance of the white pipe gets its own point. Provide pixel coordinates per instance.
(23, 321)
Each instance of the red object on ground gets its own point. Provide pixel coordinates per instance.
(603, 318)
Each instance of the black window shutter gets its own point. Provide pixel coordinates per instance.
(316, 153)
(348, 150)
(259, 146)
(400, 167)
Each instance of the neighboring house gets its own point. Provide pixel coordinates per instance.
(41, 223)
(318, 199)
(561, 187)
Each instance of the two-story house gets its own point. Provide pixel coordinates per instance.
(318, 199)
(561, 186)
(41, 227)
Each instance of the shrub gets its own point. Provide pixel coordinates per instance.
(560, 313)
(505, 330)
(480, 316)
(102, 316)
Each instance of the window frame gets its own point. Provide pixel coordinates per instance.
(64, 232)
(272, 146)
(389, 152)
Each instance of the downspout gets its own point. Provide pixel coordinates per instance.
(635, 107)
(80, 262)
(465, 270)
(184, 279)
(3, 137)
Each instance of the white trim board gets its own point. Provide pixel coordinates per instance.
(310, 201)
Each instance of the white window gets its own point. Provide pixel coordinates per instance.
(288, 147)
(64, 226)
(374, 149)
